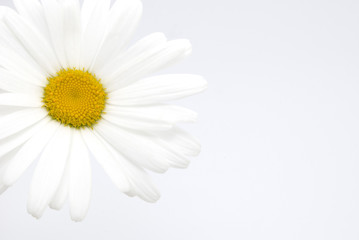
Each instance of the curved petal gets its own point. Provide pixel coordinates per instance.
(10, 143)
(17, 121)
(158, 89)
(14, 63)
(155, 155)
(29, 152)
(59, 199)
(147, 63)
(179, 141)
(48, 172)
(4, 10)
(141, 183)
(80, 184)
(133, 118)
(54, 17)
(148, 118)
(157, 113)
(95, 26)
(15, 58)
(21, 100)
(88, 6)
(147, 44)
(19, 64)
(13, 82)
(127, 143)
(33, 42)
(6, 110)
(4, 163)
(124, 17)
(33, 12)
(64, 27)
(107, 161)
(73, 31)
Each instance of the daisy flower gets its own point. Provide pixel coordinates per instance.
(72, 89)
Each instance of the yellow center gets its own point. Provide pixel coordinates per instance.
(75, 98)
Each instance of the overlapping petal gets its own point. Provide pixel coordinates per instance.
(137, 131)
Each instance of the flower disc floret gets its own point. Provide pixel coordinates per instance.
(76, 98)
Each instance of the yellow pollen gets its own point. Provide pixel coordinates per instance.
(75, 98)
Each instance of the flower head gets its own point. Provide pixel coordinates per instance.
(72, 89)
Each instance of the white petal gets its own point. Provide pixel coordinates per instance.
(129, 144)
(80, 179)
(48, 172)
(125, 15)
(14, 141)
(54, 16)
(20, 66)
(13, 82)
(4, 10)
(147, 63)
(175, 158)
(94, 31)
(59, 199)
(148, 44)
(137, 117)
(107, 161)
(137, 124)
(29, 152)
(158, 89)
(6, 110)
(72, 34)
(34, 43)
(32, 11)
(17, 121)
(16, 59)
(88, 6)
(4, 163)
(22, 100)
(155, 154)
(3, 166)
(180, 141)
(134, 120)
(141, 184)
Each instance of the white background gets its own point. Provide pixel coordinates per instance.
(279, 126)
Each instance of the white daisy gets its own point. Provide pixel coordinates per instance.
(72, 88)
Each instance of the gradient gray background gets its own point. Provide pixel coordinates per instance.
(279, 126)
